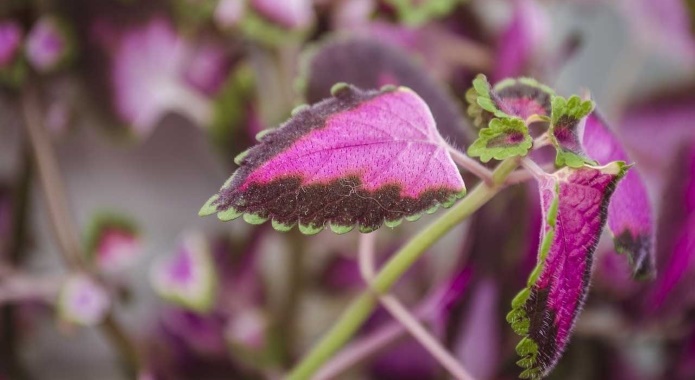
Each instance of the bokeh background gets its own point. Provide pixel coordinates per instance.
(146, 103)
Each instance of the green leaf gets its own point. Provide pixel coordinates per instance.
(566, 118)
(481, 106)
(415, 13)
(504, 138)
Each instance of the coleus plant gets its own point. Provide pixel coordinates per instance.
(371, 157)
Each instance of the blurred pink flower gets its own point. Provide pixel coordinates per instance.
(48, 44)
(10, 41)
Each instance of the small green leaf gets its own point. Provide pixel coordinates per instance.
(566, 117)
(504, 138)
(415, 13)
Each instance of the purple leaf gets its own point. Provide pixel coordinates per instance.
(338, 60)
(155, 70)
(676, 245)
(10, 42)
(523, 38)
(361, 157)
(113, 243)
(82, 301)
(478, 343)
(48, 44)
(629, 212)
(573, 203)
(188, 278)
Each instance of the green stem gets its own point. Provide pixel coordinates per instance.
(362, 307)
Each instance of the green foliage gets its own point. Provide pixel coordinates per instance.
(504, 138)
(564, 135)
(415, 13)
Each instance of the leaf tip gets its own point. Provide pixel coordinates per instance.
(209, 207)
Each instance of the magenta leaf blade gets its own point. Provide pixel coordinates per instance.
(358, 158)
(336, 59)
(629, 212)
(573, 202)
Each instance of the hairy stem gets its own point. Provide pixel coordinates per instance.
(360, 309)
(470, 165)
(60, 219)
(532, 167)
(404, 317)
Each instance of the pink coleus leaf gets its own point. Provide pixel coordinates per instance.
(188, 278)
(360, 157)
(673, 289)
(573, 202)
(113, 243)
(49, 44)
(82, 301)
(629, 212)
(335, 61)
(10, 42)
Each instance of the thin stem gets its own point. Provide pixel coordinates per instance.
(360, 309)
(15, 250)
(361, 349)
(52, 184)
(404, 317)
(59, 216)
(533, 168)
(285, 320)
(470, 164)
(541, 141)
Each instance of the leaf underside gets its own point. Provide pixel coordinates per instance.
(359, 158)
(573, 202)
(629, 212)
(336, 60)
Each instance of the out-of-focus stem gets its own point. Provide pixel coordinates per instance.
(404, 317)
(59, 216)
(51, 182)
(15, 250)
(360, 309)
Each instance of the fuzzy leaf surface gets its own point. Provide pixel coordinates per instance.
(503, 138)
(358, 158)
(573, 202)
